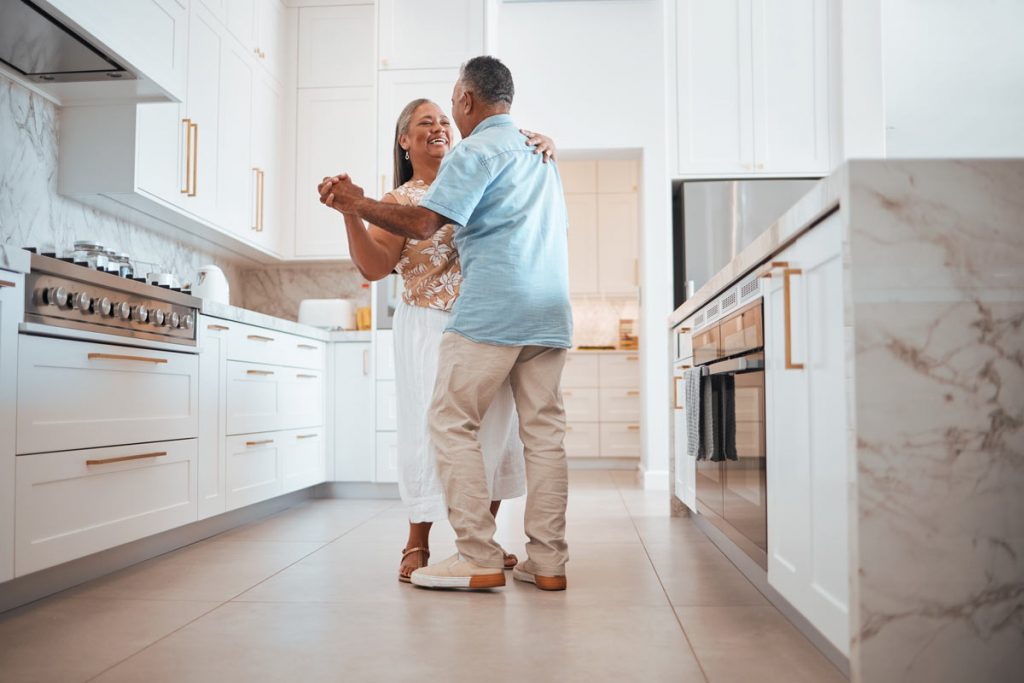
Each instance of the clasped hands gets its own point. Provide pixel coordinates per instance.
(340, 193)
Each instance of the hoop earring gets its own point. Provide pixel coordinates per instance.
(407, 155)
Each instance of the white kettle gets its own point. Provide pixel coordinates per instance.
(211, 285)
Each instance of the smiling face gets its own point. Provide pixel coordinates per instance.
(429, 137)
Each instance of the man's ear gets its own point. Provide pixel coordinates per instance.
(467, 102)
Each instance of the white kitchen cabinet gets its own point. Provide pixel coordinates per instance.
(387, 406)
(275, 38)
(302, 459)
(349, 148)
(445, 33)
(206, 47)
(337, 47)
(583, 440)
(807, 431)
(620, 440)
(581, 370)
(601, 393)
(240, 18)
(582, 405)
(210, 466)
(254, 398)
(686, 466)
(395, 90)
(354, 433)
(147, 395)
(617, 235)
(270, 175)
(253, 344)
(75, 503)
(617, 176)
(12, 302)
(620, 405)
(578, 177)
(234, 138)
(583, 243)
(752, 86)
(302, 398)
(620, 370)
(385, 355)
(253, 468)
(387, 457)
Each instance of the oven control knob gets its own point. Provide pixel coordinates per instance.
(157, 317)
(187, 321)
(173, 320)
(83, 302)
(140, 314)
(122, 310)
(104, 307)
(56, 296)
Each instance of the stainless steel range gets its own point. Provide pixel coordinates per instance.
(70, 295)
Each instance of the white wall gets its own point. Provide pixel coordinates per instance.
(954, 77)
(593, 76)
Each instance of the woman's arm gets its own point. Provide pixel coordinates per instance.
(374, 251)
(541, 144)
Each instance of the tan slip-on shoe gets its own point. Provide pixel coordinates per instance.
(545, 583)
(456, 572)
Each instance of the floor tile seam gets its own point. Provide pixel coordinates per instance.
(661, 583)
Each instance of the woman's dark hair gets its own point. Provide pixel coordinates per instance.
(403, 166)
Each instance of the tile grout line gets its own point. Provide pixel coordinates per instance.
(232, 598)
(668, 599)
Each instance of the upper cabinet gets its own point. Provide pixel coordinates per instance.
(261, 27)
(436, 35)
(752, 87)
(337, 47)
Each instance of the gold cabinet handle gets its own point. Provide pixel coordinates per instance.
(306, 347)
(195, 159)
(305, 376)
(675, 393)
(256, 192)
(218, 328)
(261, 373)
(632, 393)
(188, 155)
(366, 361)
(263, 194)
(125, 458)
(774, 265)
(633, 428)
(256, 337)
(787, 310)
(117, 356)
(632, 357)
(259, 443)
(5, 283)
(306, 436)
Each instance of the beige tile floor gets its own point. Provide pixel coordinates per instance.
(310, 595)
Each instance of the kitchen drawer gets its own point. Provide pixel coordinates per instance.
(582, 405)
(620, 440)
(583, 439)
(620, 405)
(252, 468)
(683, 343)
(707, 345)
(75, 503)
(265, 398)
(306, 353)
(387, 407)
(581, 370)
(387, 457)
(302, 459)
(302, 398)
(76, 394)
(620, 370)
(259, 345)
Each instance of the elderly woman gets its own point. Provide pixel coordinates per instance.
(431, 273)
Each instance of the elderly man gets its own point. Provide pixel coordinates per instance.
(512, 320)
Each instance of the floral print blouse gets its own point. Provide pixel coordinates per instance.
(429, 268)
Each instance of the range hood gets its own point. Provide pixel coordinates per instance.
(41, 49)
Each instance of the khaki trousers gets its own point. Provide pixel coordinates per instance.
(468, 376)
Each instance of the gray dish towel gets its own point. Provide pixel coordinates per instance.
(691, 404)
(710, 418)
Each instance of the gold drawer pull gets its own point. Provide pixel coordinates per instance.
(306, 436)
(125, 458)
(307, 347)
(787, 311)
(259, 443)
(218, 328)
(632, 357)
(256, 337)
(306, 376)
(262, 373)
(566, 393)
(5, 283)
(116, 356)
(633, 428)
(632, 393)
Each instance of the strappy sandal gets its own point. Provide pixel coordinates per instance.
(406, 553)
(510, 561)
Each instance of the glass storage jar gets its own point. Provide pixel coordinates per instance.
(93, 254)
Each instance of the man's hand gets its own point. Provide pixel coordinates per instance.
(340, 193)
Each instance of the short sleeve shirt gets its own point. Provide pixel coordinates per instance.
(512, 237)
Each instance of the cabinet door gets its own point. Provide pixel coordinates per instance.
(578, 177)
(161, 137)
(445, 33)
(205, 50)
(213, 339)
(12, 297)
(686, 466)
(620, 440)
(354, 434)
(235, 186)
(790, 81)
(269, 173)
(302, 398)
(582, 405)
(387, 406)
(254, 397)
(620, 370)
(253, 468)
(714, 97)
(241, 21)
(583, 241)
(583, 440)
(617, 231)
(337, 47)
(387, 457)
(620, 405)
(319, 231)
(581, 370)
(302, 459)
(397, 89)
(275, 38)
(617, 176)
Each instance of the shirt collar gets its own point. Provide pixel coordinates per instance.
(492, 121)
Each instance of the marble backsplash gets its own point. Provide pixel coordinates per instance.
(596, 319)
(277, 290)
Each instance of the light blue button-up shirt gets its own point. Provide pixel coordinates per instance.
(512, 237)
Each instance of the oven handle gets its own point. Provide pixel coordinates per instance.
(746, 364)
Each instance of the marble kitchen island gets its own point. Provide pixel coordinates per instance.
(924, 441)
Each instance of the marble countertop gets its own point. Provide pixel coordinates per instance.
(349, 335)
(822, 199)
(242, 315)
(14, 259)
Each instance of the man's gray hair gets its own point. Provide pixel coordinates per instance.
(488, 79)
